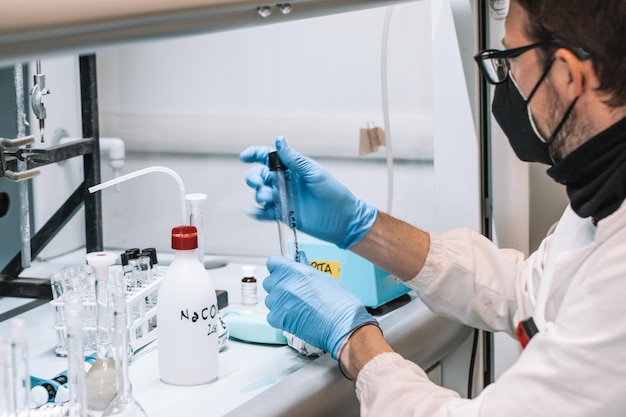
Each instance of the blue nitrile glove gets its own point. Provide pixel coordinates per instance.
(311, 304)
(326, 209)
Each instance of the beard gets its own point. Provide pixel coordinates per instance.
(572, 134)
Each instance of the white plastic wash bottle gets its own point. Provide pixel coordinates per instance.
(187, 320)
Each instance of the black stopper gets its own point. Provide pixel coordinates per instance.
(275, 163)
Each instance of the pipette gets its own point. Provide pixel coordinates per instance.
(286, 219)
(285, 210)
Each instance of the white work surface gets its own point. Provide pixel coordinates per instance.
(253, 380)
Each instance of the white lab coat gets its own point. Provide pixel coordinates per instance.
(574, 286)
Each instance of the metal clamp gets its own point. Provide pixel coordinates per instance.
(14, 143)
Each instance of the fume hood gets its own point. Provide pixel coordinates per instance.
(29, 30)
(117, 31)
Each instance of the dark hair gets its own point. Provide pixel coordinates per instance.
(597, 26)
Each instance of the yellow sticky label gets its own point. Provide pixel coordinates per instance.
(330, 267)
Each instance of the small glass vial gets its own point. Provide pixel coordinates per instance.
(248, 285)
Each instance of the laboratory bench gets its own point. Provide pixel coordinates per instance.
(253, 379)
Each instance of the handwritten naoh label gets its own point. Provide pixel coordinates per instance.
(201, 316)
(330, 267)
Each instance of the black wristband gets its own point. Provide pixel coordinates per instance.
(346, 342)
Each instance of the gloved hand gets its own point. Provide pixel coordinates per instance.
(325, 208)
(311, 305)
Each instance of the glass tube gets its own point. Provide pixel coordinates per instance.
(195, 219)
(123, 404)
(100, 379)
(21, 375)
(285, 210)
(6, 379)
(77, 404)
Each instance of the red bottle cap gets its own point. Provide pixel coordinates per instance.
(184, 238)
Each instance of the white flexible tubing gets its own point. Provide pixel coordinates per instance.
(385, 99)
(135, 174)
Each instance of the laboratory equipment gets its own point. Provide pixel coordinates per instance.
(6, 378)
(21, 376)
(24, 162)
(248, 285)
(285, 209)
(77, 404)
(128, 270)
(74, 281)
(243, 325)
(23, 186)
(287, 234)
(36, 96)
(195, 219)
(78, 281)
(371, 284)
(144, 171)
(27, 31)
(154, 261)
(45, 390)
(187, 316)
(100, 379)
(123, 404)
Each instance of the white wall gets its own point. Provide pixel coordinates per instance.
(317, 81)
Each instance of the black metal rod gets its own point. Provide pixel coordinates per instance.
(47, 232)
(91, 162)
(485, 170)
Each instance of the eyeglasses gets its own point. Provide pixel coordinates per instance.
(494, 63)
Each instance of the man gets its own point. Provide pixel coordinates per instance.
(560, 97)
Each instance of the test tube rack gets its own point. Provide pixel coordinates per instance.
(140, 313)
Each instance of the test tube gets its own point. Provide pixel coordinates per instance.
(21, 375)
(154, 261)
(145, 271)
(58, 286)
(195, 219)
(285, 209)
(123, 404)
(100, 380)
(77, 403)
(7, 383)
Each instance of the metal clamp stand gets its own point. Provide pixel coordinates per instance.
(11, 284)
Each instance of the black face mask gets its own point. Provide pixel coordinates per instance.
(513, 115)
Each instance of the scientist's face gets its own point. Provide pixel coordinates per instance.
(547, 109)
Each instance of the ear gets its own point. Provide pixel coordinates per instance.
(572, 77)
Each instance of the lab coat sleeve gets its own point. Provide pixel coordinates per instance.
(468, 279)
(574, 367)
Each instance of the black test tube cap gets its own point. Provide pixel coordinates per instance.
(152, 253)
(125, 257)
(133, 253)
(275, 163)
